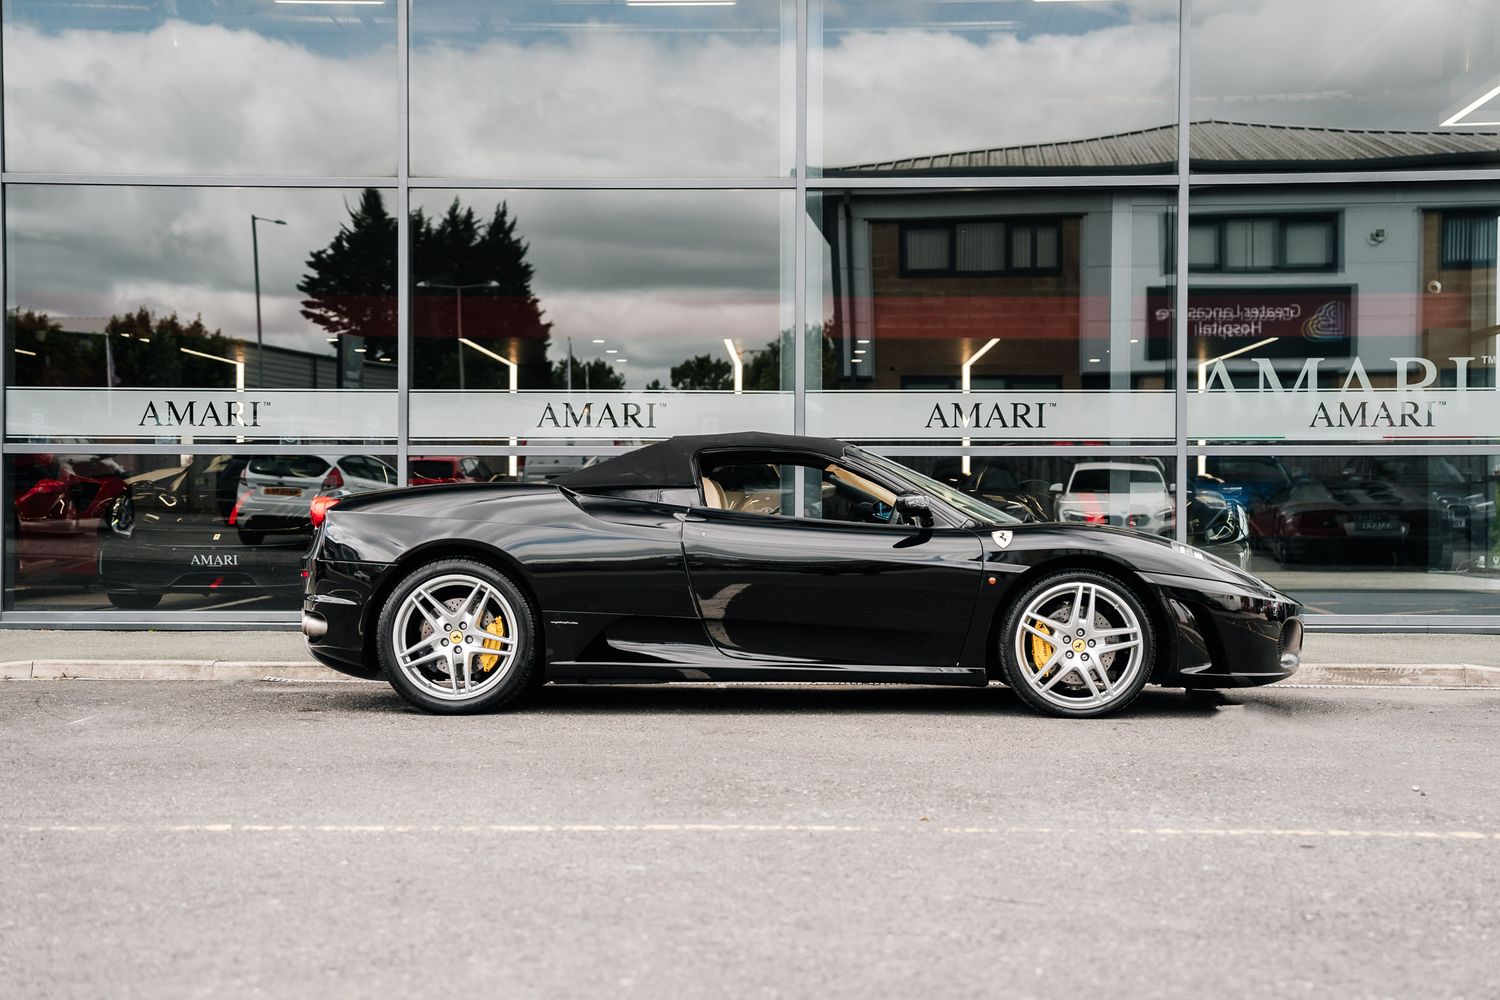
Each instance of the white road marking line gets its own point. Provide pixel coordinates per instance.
(84, 719)
(534, 828)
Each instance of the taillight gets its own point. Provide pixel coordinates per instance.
(333, 481)
(234, 515)
(319, 508)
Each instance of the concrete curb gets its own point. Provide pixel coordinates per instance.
(1450, 675)
(166, 670)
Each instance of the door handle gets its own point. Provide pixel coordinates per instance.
(688, 515)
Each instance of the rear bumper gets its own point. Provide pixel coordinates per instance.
(335, 607)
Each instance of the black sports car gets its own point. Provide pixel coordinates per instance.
(770, 558)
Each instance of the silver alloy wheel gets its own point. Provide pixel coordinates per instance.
(1079, 645)
(444, 637)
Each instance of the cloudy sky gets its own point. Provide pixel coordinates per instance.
(549, 89)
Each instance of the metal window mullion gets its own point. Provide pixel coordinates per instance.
(800, 249)
(1180, 259)
(404, 358)
(193, 180)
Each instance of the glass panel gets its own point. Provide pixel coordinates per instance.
(170, 314)
(938, 87)
(91, 532)
(537, 88)
(200, 87)
(1382, 337)
(1057, 345)
(927, 249)
(615, 315)
(1392, 534)
(1133, 492)
(981, 246)
(1344, 84)
(1308, 244)
(1249, 244)
(1203, 246)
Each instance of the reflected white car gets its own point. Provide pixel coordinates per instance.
(276, 491)
(1123, 494)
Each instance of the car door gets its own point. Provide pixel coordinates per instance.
(840, 584)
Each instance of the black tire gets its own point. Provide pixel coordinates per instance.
(132, 601)
(1122, 596)
(520, 676)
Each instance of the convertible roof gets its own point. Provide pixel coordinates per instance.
(672, 463)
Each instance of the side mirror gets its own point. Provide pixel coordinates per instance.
(914, 507)
(1171, 487)
(1055, 487)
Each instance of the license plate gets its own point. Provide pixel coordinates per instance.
(1374, 524)
(282, 491)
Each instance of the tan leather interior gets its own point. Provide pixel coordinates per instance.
(862, 484)
(713, 495)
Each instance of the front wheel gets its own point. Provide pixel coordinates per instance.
(1077, 643)
(458, 636)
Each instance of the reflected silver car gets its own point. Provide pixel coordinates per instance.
(276, 491)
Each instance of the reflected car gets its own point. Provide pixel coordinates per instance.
(997, 485)
(1353, 521)
(433, 469)
(1122, 494)
(169, 532)
(61, 501)
(768, 557)
(276, 491)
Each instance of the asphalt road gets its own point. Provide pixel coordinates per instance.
(261, 839)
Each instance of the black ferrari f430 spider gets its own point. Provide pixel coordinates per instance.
(765, 557)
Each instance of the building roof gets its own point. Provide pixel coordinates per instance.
(1215, 145)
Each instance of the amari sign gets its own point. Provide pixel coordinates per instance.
(188, 415)
(1347, 407)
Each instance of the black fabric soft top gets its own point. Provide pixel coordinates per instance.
(671, 464)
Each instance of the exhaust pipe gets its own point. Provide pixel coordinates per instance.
(314, 627)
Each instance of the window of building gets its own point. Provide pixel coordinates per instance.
(981, 247)
(1469, 240)
(1246, 244)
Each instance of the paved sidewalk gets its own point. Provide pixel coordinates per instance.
(1436, 660)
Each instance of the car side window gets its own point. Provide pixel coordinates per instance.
(831, 492)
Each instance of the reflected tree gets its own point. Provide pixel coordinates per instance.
(470, 278)
(133, 350)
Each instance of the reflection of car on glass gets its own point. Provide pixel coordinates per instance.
(169, 532)
(1121, 494)
(770, 557)
(997, 485)
(61, 501)
(1353, 520)
(276, 491)
(1458, 510)
(431, 469)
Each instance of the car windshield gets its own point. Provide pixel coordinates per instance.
(972, 507)
(1114, 480)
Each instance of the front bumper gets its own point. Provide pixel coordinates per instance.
(1228, 637)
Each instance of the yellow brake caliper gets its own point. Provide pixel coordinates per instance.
(495, 627)
(1041, 649)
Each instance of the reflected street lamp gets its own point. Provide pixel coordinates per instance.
(965, 381)
(458, 291)
(260, 354)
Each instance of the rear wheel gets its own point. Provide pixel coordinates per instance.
(1077, 643)
(458, 636)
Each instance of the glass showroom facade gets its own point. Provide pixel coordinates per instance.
(1173, 266)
